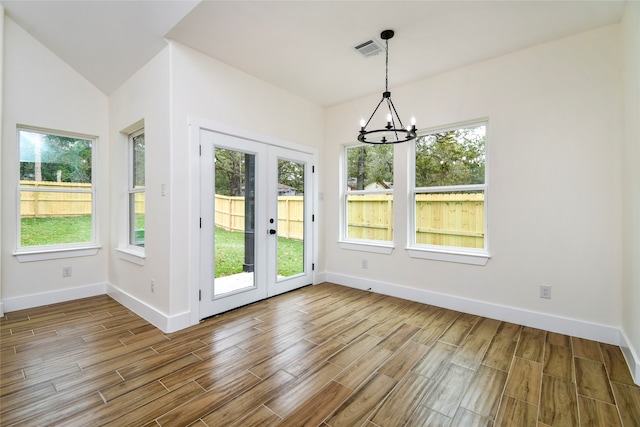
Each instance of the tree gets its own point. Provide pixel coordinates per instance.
(53, 158)
(229, 172)
(367, 164)
(454, 157)
(291, 173)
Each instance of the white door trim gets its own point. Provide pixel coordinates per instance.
(195, 125)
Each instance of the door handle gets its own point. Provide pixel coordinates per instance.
(272, 231)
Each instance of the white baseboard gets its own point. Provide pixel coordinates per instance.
(319, 278)
(558, 324)
(52, 297)
(630, 356)
(1, 309)
(160, 320)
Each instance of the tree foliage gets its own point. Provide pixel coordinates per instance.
(454, 157)
(230, 172)
(367, 164)
(55, 158)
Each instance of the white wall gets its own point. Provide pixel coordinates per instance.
(631, 183)
(41, 90)
(209, 90)
(554, 198)
(145, 96)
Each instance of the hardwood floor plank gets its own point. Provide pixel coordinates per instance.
(357, 373)
(586, 349)
(318, 407)
(558, 402)
(445, 394)
(467, 418)
(471, 352)
(435, 361)
(402, 401)
(592, 380)
(156, 408)
(484, 392)
(219, 394)
(500, 353)
(303, 389)
(594, 413)
(425, 417)
(531, 345)
(404, 359)
(558, 362)
(354, 350)
(357, 408)
(235, 410)
(516, 413)
(628, 401)
(313, 358)
(524, 380)
(93, 362)
(616, 364)
(261, 417)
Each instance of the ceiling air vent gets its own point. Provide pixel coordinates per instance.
(369, 48)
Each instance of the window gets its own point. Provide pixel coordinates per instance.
(368, 194)
(57, 193)
(449, 191)
(136, 189)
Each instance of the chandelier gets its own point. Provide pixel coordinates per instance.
(394, 131)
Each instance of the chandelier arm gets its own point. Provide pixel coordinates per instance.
(372, 114)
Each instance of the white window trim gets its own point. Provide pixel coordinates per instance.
(72, 250)
(364, 245)
(474, 256)
(131, 249)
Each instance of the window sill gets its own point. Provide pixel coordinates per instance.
(458, 256)
(47, 254)
(134, 255)
(367, 246)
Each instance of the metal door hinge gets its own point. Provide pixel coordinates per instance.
(200, 295)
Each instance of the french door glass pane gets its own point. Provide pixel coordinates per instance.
(234, 217)
(290, 218)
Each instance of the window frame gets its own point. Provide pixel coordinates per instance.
(63, 250)
(345, 242)
(459, 254)
(131, 190)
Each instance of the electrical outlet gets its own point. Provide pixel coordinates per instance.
(153, 286)
(365, 264)
(545, 291)
(66, 271)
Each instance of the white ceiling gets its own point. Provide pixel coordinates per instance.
(304, 47)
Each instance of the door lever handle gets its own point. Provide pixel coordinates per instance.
(272, 231)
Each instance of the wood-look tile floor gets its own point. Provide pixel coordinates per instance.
(324, 355)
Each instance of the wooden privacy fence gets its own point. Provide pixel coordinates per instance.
(230, 215)
(441, 219)
(44, 204)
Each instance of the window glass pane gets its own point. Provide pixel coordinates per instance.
(136, 219)
(138, 160)
(52, 218)
(455, 157)
(48, 160)
(370, 216)
(370, 167)
(450, 219)
(290, 218)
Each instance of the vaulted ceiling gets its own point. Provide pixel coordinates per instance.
(304, 47)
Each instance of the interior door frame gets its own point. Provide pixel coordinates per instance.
(196, 125)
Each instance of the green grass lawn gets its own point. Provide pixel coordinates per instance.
(229, 245)
(55, 231)
(229, 255)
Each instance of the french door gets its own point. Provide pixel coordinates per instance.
(256, 221)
